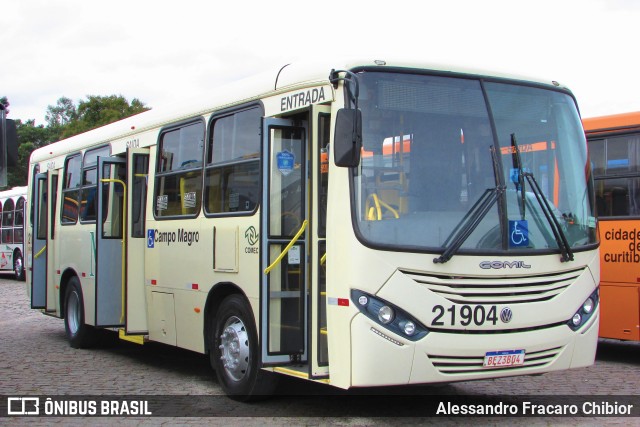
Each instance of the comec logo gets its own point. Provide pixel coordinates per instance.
(497, 265)
(251, 235)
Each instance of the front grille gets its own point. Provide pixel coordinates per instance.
(496, 290)
(463, 365)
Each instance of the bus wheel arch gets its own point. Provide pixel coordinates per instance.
(64, 282)
(79, 334)
(216, 295)
(234, 347)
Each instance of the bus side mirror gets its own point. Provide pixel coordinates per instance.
(8, 146)
(347, 141)
(12, 143)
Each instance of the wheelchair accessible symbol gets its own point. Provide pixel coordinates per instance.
(151, 238)
(519, 233)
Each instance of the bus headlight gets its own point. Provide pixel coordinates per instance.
(577, 319)
(588, 305)
(385, 314)
(409, 328)
(388, 315)
(584, 312)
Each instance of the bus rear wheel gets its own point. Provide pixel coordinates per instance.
(79, 334)
(235, 352)
(18, 266)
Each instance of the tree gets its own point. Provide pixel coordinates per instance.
(28, 132)
(65, 120)
(98, 111)
(62, 113)
(4, 101)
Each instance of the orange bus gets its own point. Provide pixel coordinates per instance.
(614, 147)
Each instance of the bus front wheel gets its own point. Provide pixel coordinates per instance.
(79, 334)
(235, 352)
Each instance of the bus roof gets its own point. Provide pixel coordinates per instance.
(614, 123)
(268, 83)
(13, 192)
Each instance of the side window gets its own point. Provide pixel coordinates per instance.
(71, 189)
(113, 199)
(19, 217)
(178, 189)
(41, 193)
(36, 171)
(616, 170)
(324, 121)
(7, 221)
(18, 221)
(233, 163)
(88, 202)
(139, 191)
(54, 198)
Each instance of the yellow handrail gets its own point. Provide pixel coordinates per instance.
(40, 252)
(124, 236)
(291, 243)
(378, 202)
(392, 210)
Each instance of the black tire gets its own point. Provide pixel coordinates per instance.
(235, 353)
(18, 266)
(79, 334)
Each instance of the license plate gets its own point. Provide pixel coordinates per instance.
(503, 359)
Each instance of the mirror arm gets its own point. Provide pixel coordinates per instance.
(334, 78)
(350, 77)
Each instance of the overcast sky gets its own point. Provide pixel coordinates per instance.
(160, 51)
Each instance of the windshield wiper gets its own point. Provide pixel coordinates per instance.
(468, 223)
(471, 219)
(556, 228)
(517, 165)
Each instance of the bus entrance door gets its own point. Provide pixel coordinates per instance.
(110, 242)
(39, 256)
(44, 293)
(136, 313)
(320, 135)
(284, 243)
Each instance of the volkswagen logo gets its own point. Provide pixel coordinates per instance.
(506, 314)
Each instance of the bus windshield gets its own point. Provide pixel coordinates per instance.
(427, 161)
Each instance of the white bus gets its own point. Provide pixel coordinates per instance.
(12, 208)
(368, 224)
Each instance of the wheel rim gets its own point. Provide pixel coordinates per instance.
(17, 268)
(234, 347)
(73, 313)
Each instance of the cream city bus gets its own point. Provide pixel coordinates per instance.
(368, 224)
(12, 208)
